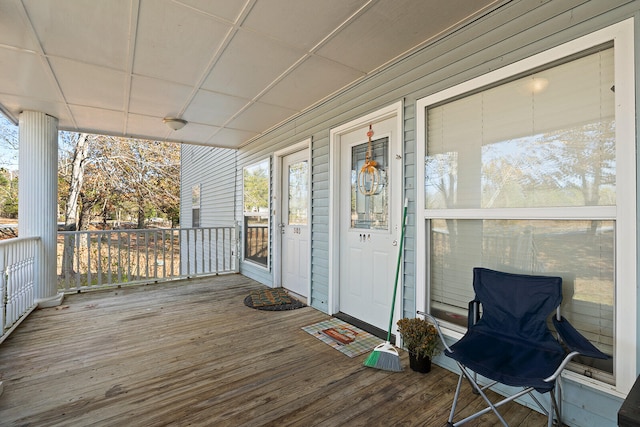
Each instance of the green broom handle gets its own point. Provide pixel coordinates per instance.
(395, 285)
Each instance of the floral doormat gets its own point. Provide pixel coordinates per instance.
(273, 299)
(344, 337)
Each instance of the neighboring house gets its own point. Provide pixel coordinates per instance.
(514, 140)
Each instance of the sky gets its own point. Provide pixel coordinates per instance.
(8, 155)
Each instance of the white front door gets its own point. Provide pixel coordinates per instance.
(369, 221)
(295, 222)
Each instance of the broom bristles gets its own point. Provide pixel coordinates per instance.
(384, 357)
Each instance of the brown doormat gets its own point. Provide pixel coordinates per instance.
(273, 299)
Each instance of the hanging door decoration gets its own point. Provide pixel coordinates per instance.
(369, 172)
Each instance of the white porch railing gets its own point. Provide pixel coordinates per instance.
(18, 260)
(97, 259)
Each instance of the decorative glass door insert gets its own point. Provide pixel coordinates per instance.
(370, 212)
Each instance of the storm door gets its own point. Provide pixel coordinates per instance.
(294, 228)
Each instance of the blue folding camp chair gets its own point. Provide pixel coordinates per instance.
(508, 341)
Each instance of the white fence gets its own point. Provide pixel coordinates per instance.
(97, 259)
(18, 260)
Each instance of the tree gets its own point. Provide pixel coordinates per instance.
(256, 187)
(584, 161)
(143, 174)
(9, 193)
(76, 167)
(8, 144)
(8, 165)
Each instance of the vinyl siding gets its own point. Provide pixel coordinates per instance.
(217, 191)
(515, 31)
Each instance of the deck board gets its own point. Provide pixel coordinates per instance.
(191, 353)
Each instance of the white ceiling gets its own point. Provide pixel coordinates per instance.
(233, 69)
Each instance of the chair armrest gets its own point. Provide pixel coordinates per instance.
(474, 313)
(575, 341)
(437, 325)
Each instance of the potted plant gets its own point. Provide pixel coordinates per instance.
(421, 340)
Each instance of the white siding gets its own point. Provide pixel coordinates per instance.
(217, 190)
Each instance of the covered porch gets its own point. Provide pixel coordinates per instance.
(189, 352)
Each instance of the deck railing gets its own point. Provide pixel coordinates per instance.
(18, 260)
(98, 259)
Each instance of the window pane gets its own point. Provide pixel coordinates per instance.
(298, 193)
(544, 140)
(370, 211)
(256, 242)
(581, 252)
(255, 179)
(195, 217)
(195, 196)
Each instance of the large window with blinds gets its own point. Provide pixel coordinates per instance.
(521, 176)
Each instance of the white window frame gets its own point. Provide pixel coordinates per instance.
(624, 212)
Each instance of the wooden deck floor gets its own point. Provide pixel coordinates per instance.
(191, 353)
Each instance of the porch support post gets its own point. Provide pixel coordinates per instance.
(38, 198)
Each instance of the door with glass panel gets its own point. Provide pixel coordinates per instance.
(294, 228)
(369, 222)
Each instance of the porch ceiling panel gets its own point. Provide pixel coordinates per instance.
(314, 78)
(259, 116)
(95, 119)
(175, 43)
(250, 64)
(373, 39)
(232, 69)
(213, 108)
(94, 88)
(30, 81)
(90, 32)
(168, 96)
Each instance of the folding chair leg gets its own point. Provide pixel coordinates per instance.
(476, 387)
(555, 407)
(455, 399)
(471, 382)
(552, 409)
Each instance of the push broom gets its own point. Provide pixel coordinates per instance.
(385, 356)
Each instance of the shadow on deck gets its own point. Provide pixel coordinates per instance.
(190, 352)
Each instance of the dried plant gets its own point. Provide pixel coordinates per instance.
(419, 337)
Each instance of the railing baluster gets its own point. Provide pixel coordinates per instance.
(89, 279)
(155, 254)
(200, 253)
(215, 249)
(164, 254)
(188, 252)
(119, 234)
(109, 276)
(224, 250)
(76, 258)
(172, 250)
(137, 248)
